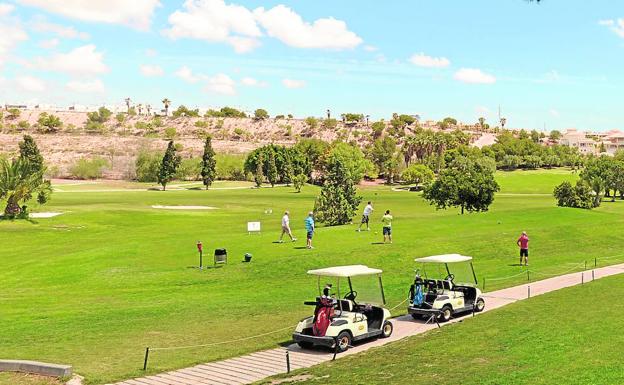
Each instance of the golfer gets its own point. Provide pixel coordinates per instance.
(523, 243)
(309, 225)
(387, 226)
(368, 210)
(286, 228)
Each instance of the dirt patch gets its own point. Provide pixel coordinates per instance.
(184, 207)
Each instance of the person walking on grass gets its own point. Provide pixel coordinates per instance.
(309, 225)
(523, 243)
(286, 228)
(368, 210)
(387, 226)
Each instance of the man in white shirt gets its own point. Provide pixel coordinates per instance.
(286, 228)
(368, 210)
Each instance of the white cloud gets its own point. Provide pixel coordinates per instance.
(554, 113)
(616, 26)
(221, 84)
(40, 24)
(30, 84)
(151, 70)
(287, 26)
(49, 43)
(370, 48)
(136, 13)
(5, 9)
(482, 110)
(150, 52)
(292, 83)
(422, 60)
(87, 86)
(11, 32)
(214, 21)
(217, 22)
(251, 82)
(80, 61)
(474, 76)
(187, 75)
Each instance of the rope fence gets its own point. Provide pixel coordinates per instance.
(526, 272)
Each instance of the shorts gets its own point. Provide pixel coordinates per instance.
(387, 230)
(286, 229)
(365, 219)
(524, 253)
(310, 234)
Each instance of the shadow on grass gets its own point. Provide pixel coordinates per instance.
(378, 243)
(300, 247)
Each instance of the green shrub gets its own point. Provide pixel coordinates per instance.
(201, 124)
(157, 121)
(88, 168)
(147, 165)
(230, 167)
(189, 169)
(171, 133)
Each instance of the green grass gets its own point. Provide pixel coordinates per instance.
(96, 285)
(565, 337)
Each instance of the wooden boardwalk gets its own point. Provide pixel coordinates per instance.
(257, 366)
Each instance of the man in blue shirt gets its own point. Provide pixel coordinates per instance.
(309, 224)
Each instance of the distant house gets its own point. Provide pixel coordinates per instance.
(613, 141)
(574, 138)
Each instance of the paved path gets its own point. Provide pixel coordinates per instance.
(256, 366)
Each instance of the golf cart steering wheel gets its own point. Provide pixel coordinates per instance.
(351, 295)
(450, 277)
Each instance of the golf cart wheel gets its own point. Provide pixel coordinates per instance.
(344, 341)
(305, 345)
(447, 313)
(386, 330)
(479, 305)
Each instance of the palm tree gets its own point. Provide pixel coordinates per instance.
(127, 100)
(149, 108)
(18, 184)
(167, 103)
(140, 108)
(502, 122)
(482, 123)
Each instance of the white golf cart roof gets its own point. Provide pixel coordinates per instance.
(446, 258)
(345, 271)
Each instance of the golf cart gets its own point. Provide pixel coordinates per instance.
(441, 299)
(340, 319)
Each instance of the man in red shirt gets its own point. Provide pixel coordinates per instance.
(523, 243)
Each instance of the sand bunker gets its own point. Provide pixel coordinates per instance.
(184, 207)
(43, 215)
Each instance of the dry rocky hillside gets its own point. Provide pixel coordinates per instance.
(119, 142)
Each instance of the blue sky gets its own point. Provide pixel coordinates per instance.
(558, 63)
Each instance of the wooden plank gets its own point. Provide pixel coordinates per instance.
(215, 376)
(243, 375)
(258, 365)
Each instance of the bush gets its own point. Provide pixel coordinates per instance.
(49, 123)
(417, 174)
(299, 181)
(147, 165)
(261, 114)
(189, 169)
(157, 121)
(171, 133)
(580, 196)
(88, 168)
(201, 124)
(23, 125)
(230, 167)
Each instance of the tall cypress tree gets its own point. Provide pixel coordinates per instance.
(272, 169)
(209, 163)
(338, 201)
(29, 153)
(259, 174)
(169, 165)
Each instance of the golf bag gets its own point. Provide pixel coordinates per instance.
(416, 291)
(322, 319)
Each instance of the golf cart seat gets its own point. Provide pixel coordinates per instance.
(346, 305)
